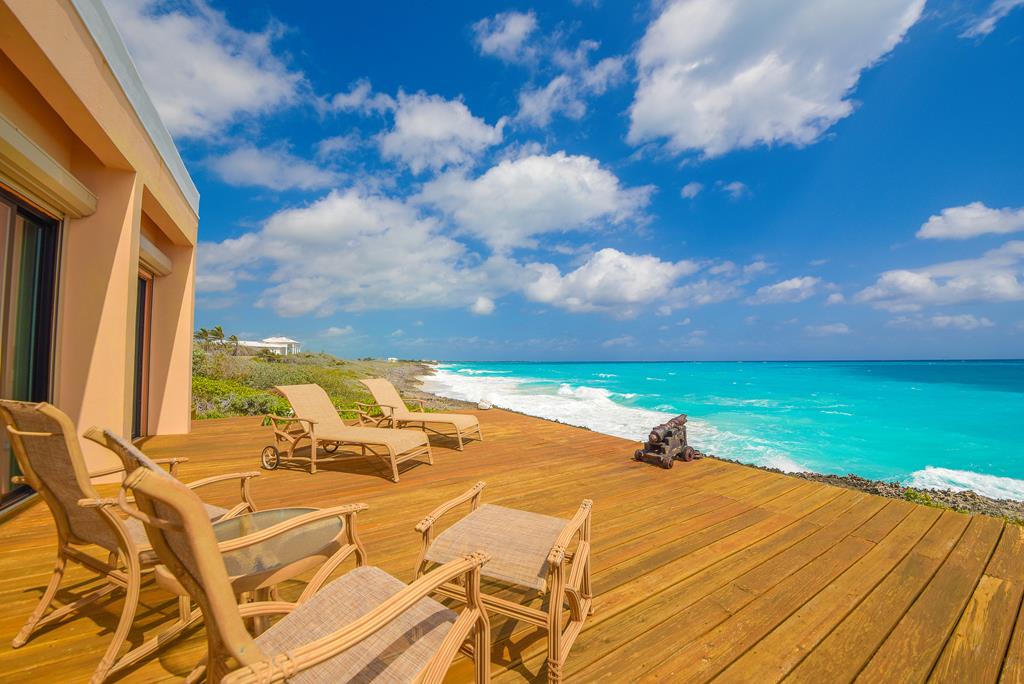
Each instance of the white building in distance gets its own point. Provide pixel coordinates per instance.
(278, 345)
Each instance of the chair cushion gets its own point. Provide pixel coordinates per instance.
(400, 441)
(518, 542)
(395, 653)
(460, 421)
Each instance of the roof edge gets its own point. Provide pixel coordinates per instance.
(108, 39)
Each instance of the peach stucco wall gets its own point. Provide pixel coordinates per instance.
(57, 89)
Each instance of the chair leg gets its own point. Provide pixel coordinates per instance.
(44, 601)
(394, 465)
(124, 625)
(482, 650)
(458, 433)
(554, 640)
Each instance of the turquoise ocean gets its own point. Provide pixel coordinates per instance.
(929, 424)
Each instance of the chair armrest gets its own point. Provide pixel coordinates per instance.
(259, 608)
(106, 471)
(557, 554)
(273, 421)
(424, 526)
(363, 412)
(287, 525)
(221, 478)
(323, 649)
(97, 503)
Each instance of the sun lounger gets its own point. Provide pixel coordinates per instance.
(317, 420)
(397, 414)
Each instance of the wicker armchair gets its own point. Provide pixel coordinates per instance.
(395, 412)
(49, 454)
(363, 626)
(536, 555)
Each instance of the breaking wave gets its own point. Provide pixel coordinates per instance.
(992, 486)
(596, 408)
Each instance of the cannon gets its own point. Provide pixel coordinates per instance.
(666, 443)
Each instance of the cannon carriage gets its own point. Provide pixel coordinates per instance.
(667, 443)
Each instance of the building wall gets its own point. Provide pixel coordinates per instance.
(57, 87)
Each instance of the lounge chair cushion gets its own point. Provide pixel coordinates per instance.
(518, 542)
(395, 653)
(461, 421)
(399, 441)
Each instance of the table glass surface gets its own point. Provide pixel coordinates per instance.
(280, 550)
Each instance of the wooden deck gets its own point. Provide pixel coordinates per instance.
(706, 571)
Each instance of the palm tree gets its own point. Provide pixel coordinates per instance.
(233, 339)
(217, 335)
(203, 337)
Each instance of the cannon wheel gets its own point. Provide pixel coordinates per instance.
(270, 458)
(667, 462)
(638, 455)
(688, 453)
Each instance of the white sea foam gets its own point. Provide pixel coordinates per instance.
(595, 408)
(991, 486)
(606, 375)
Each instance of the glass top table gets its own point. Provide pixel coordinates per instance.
(279, 551)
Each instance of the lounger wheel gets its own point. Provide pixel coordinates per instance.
(270, 458)
(330, 448)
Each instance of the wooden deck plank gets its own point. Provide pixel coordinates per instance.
(979, 644)
(710, 551)
(776, 655)
(910, 651)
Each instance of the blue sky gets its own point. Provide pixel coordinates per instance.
(566, 180)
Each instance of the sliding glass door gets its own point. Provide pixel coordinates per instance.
(143, 324)
(28, 281)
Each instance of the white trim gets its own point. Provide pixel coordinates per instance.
(109, 41)
(152, 259)
(40, 178)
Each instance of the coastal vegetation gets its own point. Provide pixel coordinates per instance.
(227, 383)
(231, 380)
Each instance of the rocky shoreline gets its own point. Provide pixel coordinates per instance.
(406, 377)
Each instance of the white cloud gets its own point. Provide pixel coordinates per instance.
(993, 277)
(835, 298)
(608, 281)
(483, 306)
(971, 220)
(566, 92)
(718, 75)
(517, 200)
(786, 292)
(353, 251)
(538, 106)
(271, 167)
(432, 132)
(202, 73)
(827, 330)
(691, 190)
(622, 341)
(505, 35)
(337, 145)
(986, 23)
(335, 331)
(735, 189)
(942, 322)
(361, 98)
